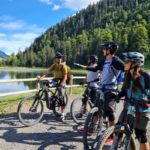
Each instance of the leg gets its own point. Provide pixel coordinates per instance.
(61, 93)
(142, 120)
(109, 107)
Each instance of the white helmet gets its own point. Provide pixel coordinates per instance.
(136, 57)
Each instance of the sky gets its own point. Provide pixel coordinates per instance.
(21, 21)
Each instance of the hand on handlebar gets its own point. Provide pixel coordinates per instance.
(38, 77)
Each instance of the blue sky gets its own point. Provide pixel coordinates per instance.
(21, 21)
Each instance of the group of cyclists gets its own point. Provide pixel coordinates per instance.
(136, 84)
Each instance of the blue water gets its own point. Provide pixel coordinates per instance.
(17, 86)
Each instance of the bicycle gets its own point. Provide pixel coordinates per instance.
(83, 104)
(123, 132)
(95, 121)
(31, 108)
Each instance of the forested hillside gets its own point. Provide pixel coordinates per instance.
(125, 21)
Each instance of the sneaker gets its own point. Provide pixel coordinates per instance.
(63, 117)
(81, 129)
(90, 131)
(109, 140)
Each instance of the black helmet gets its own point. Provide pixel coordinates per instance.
(58, 55)
(93, 58)
(112, 46)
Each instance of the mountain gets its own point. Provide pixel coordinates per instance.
(126, 22)
(3, 55)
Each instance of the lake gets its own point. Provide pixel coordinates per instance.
(18, 74)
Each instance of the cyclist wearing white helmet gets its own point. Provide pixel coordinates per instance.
(137, 87)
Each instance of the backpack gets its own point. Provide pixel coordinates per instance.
(119, 77)
(68, 73)
(147, 86)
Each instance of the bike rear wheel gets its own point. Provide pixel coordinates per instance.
(117, 143)
(79, 110)
(92, 128)
(30, 110)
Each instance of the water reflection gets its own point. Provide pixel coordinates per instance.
(17, 86)
(20, 74)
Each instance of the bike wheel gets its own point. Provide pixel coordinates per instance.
(92, 128)
(118, 143)
(79, 111)
(30, 110)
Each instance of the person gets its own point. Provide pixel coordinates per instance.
(137, 87)
(110, 68)
(59, 71)
(92, 79)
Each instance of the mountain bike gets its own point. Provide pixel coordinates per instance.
(31, 108)
(123, 132)
(96, 121)
(83, 104)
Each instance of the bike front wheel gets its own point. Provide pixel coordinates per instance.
(79, 110)
(30, 110)
(119, 140)
(92, 128)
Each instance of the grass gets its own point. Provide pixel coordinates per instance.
(9, 104)
(73, 71)
(147, 65)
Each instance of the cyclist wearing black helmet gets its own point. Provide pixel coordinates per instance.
(110, 68)
(91, 76)
(59, 71)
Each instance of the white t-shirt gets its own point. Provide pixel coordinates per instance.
(91, 76)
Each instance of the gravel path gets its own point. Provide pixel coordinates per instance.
(50, 134)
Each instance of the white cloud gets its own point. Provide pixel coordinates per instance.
(77, 4)
(2, 35)
(12, 43)
(5, 18)
(17, 34)
(49, 2)
(56, 7)
(13, 25)
(70, 4)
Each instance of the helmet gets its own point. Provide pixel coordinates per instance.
(58, 55)
(93, 58)
(112, 46)
(135, 57)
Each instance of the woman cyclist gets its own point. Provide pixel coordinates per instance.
(137, 87)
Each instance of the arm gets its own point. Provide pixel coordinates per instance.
(96, 68)
(117, 63)
(45, 74)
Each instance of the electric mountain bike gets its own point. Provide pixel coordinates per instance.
(31, 108)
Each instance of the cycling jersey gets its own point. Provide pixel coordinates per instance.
(58, 70)
(109, 78)
(91, 76)
(139, 95)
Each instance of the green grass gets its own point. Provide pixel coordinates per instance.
(22, 68)
(147, 65)
(73, 71)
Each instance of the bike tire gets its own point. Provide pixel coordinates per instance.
(77, 110)
(31, 118)
(102, 145)
(89, 140)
